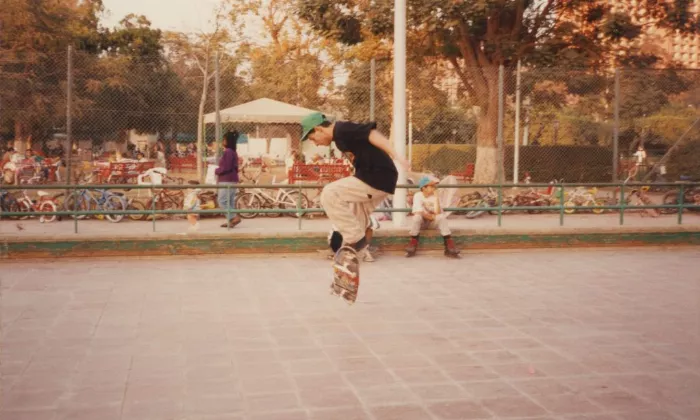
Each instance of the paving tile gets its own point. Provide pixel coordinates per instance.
(439, 392)
(513, 406)
(401, 412)
(490, 389)
(356, 413)
(30, 414)
(458, 410)
(261, 403)
(386, 395)
(329, 398)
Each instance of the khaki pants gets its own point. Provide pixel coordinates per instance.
(440, 223)
(348, 202)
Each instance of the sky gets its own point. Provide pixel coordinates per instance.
(177, 15)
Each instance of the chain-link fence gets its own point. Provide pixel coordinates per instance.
(482, 125)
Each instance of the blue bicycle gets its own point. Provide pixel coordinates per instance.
(98, 199)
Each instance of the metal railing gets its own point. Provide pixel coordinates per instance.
(560, 207)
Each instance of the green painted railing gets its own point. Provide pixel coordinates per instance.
(621, 206)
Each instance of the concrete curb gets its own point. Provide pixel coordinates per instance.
(304, 242)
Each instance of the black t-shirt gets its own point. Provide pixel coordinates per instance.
(372, 165)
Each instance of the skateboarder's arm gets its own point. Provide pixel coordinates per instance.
(378, 140)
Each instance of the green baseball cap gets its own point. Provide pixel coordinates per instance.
(310, 122)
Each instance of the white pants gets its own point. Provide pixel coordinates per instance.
(348, 202)
(440, 223)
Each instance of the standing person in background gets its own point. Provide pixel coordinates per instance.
(227, 174)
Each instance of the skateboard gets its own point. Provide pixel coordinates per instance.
(346, 274)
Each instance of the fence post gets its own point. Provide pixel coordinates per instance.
(616, 126)
(300, 215)
(681, 200)
(622, 204)
(217, 104)
(399, 108)
(69, 118)
(516, 140)
(372, 81)
(153, 208)
(500, 124)
(228, 208)
(561, 204)
(75, 208)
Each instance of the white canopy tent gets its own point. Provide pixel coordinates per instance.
(265, 111)
(261, 111)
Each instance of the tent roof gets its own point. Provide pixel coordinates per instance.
(263, 110)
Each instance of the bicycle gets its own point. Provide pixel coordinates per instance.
(489, 199)
(87, 201)
(690, 196)
(164, 200)
(259, 199)
(44, 204)
(582, 197)
(9, 204)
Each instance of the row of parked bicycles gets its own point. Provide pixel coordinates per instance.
(281, 201)
(579, 199)
(261, 201)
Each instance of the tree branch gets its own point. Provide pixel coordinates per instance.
(463, 77)
(519, 12)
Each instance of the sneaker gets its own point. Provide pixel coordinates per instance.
(366, 255)
(194, 227)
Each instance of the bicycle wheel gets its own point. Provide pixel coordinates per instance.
(569, 207)
(473, 214)
(597, 203)
(46, 207)
(248, 201)
(114, 203)
(84, 204)
(24, 206)
(670, 198)
(292, 199)
(10, 205)
(136, 205)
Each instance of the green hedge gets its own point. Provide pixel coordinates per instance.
(544, 163)
(445, 160)
(685, 161)
(572, 163)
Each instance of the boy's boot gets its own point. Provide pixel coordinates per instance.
(412, 246)
(451, 250)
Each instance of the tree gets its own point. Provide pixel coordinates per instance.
(34, 38)
(198, 51)
(129, 85)
(478, 36)
(290, 65)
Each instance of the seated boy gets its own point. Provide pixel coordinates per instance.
(427, 214)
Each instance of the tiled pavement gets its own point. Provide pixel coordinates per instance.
(547, 334)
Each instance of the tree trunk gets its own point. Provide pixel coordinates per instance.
(486, 167)
(200, 126)
(19, 137)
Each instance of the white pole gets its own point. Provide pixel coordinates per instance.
(516, 141)
(399, 109)
(410, 127)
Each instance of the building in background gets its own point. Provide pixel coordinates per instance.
(673, 47)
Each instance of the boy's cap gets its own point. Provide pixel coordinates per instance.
(425, 181)
(310, 122)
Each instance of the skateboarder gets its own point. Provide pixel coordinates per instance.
(427, 214)
(348, 202)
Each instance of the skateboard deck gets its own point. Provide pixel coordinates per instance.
(346, 274)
